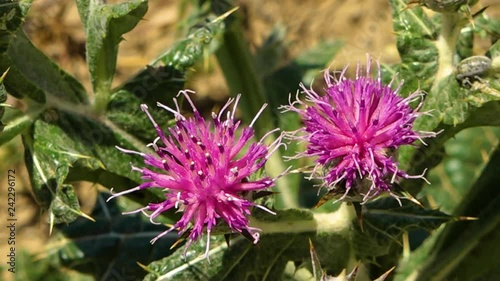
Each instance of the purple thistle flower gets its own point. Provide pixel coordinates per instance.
(353, 131)
(204, 170)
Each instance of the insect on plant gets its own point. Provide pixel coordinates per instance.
(473, 67)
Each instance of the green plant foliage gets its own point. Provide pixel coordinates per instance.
(60, 141)
(468, 249)
(15, 122)
(453, 105)
(3, 98)
(34, 75)
(240, 260)
(419, 56)
(159, 83)
(43, 269)
(11, 16)
(111, 247)
(455, 175)
(69, 137)
(105, 25)
(384, 220)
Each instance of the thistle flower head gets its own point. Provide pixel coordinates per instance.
(203, 166)
(353, 130)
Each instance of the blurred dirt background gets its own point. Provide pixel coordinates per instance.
(54, 26)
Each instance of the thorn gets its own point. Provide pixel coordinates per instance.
(463, 218)
(311, 246)
(176, 243)
(469, 15)
(359, 213)
(412, 199)
(51, 219)
(400, 191)
(87, 217)
(144, 267)
(227, 237)
(354, 272)
(226, 14)
(318, 272)
(247, 235)
(80, 213)
(383, 276)
(478, 13)
(325, 198)
(4, 74)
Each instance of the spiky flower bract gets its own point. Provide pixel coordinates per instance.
(204, 168)
(353, 130)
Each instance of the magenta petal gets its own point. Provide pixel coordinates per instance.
(204, 170)
(352, 130)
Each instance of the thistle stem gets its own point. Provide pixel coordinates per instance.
(338, 222)
(446, 45)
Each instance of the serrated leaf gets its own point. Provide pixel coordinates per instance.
(468, 250)
(384, 221)
(460, 167)
(419, 56)
(194, 267)
(65, 205)
(186, 52)
(242, 260)
(111, 247)
(150, 86)
(104, 26)
(159, 83)
(454, 107)
(48, 166)
(409, 263)
(83, 10)
(60, 141)
(318, 272)
(25, 6)
(448, 100)
(34, 75)
(63, 147)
